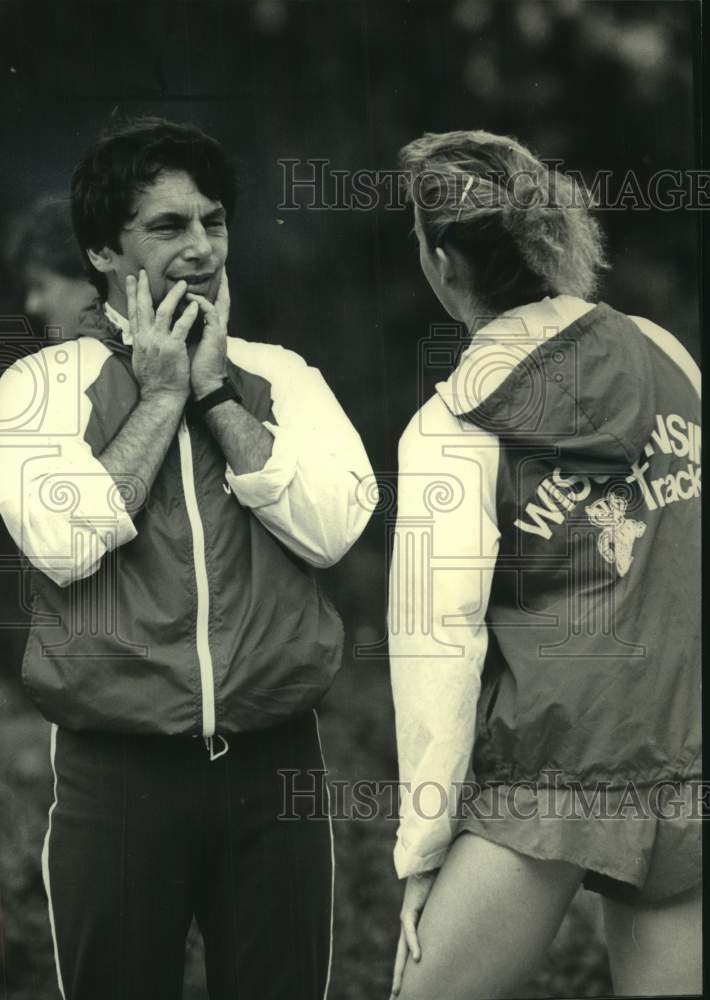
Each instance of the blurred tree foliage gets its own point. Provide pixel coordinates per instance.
(609, 85)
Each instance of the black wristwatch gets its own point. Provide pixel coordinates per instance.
(225, 391)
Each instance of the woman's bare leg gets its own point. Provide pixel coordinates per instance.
(491, 915)
(656, 950)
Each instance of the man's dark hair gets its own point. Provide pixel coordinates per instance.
(127, 157)
(43, 237)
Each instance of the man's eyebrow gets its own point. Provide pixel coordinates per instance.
(162, 218)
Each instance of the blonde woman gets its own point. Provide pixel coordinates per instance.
(544, 611)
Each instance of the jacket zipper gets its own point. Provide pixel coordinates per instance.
(204, 656)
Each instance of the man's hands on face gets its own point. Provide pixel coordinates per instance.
(160, 360)
(209, 361)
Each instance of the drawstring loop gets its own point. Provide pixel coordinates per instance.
(209, 745)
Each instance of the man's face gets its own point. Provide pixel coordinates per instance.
(176, 233)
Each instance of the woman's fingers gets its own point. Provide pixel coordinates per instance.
(408, 945)
(409, 928)
(416, 892)
(399, 964)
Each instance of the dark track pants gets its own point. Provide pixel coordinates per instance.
(147, 831)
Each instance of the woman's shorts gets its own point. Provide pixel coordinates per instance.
(636, 844)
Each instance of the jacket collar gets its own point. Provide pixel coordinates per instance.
(117, 320)
(502, 344)
(93, 322)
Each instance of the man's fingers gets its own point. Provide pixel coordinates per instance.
(222, 301)
(164, 312)
(399, 964)
(409, 928)
(205, 305)
(214, 327)
(144, 303)
(183, 325)
(132, 305)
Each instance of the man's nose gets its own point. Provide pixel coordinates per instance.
(198, 244)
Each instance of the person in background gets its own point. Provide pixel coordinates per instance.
(544, 600)
(44, 256)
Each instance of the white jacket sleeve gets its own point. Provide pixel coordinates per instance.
(315, 492)
(60, 505)
(445, 547)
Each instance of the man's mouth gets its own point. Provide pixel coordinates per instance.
(196, 282)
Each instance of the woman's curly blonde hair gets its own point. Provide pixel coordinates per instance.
(524, 228)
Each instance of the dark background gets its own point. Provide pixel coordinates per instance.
(601, 85)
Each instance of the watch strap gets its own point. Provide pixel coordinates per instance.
(226, 391)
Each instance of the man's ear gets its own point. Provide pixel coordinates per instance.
(102, 260)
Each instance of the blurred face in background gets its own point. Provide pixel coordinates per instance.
(55, 300)
(176, 233)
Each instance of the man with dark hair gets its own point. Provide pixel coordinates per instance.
(172, 487)
(129, 157)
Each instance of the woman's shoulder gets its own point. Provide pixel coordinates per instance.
(433, 420)
(434, 437)
(670, 346)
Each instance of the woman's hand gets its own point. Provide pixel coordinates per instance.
(416, 893)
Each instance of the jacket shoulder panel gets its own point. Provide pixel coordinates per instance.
(264, 373)
(44, 393)
(672, 347)
(113, 395)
